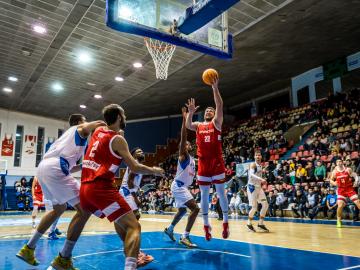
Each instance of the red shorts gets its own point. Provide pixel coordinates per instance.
(38, 200)
(102, 198)
(211, 171)
(344, 193)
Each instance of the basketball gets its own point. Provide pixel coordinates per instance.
(209, 75)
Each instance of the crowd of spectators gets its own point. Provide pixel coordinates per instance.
(23, 194)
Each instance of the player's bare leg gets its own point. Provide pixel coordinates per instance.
(205, 190)
(185, 239)
(224, 204)
(34, 214)
(76, 226)
(251, 216)
(264, 208)
(27, 251)
(129, 224)
(341, 204)
(169, 231)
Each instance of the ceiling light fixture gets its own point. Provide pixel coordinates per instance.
(119, 79)
(82, 106)
(97, 96)
(57, 87)
(40, 29)
(13, 79)
(7, 89)
(84, 58)
(137, 65)
(91, 84)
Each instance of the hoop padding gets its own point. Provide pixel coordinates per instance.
(161, 53)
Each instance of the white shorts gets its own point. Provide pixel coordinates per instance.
(129, 199)
(255, 195)
(182, 195)
(57, 187)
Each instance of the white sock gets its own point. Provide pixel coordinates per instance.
(261, 221)
(53, 226)
(130, 263)
(67, 249)
(249, 222)
(34, 239)
(171, 228)
(224, 204)
(205, 203)
(185, 234)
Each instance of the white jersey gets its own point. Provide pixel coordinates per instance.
(137, 181)
(185, 172)
(258, 172)
(69, 148)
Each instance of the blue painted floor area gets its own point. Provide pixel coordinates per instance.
(105, 252)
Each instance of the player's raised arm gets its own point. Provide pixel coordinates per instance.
(86, 128)
(252, 173)
(192, 109)
(120, 146)
(219, 112)
(183, 154)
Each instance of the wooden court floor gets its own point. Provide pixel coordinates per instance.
(311, 237)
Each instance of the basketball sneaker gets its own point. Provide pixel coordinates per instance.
(338, 224)
(144, 259)
(58, 232)
(207, 230)
(170, 234)
(27, 254)
(187, 242)
(60, 263)
(226, 230)
(262, 228)
(53, 236)
(251, 228)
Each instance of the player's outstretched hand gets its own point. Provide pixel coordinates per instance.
(191, 105)
(158, 171)
(215, 85)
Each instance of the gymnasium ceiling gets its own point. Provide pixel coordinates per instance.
(273, 39)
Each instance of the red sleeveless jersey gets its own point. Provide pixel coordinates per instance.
(37, 188)
(100, 161)
(343, 179)
(208, 141)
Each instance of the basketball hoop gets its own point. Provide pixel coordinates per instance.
(161, 53)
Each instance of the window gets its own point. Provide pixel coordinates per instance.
(40, 145)
(60, 132)
(18, 145)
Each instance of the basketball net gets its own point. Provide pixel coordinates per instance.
(161, 53)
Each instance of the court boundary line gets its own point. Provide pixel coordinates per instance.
(351, 267)
(164, 248)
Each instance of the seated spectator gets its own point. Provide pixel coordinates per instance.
(244, 204)
(299, 204)
(281, 201)
(272, 204)
(312, 201)
(331, 204)
(232, 205)
(320, 171)
(301, 174)
(321, 205)
(310, 171)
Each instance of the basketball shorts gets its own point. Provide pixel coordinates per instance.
(102, 198)
(255, 195)
(56, 186)
(38, 200)
(181, 195)
(344, 193)
(211, 171)
(129, 198)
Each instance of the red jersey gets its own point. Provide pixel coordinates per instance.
(208, 141)
(100, 161)
(343, 179)
(37, 189)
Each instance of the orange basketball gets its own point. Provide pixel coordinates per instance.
(209, 76)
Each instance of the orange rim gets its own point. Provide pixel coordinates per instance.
(159, 48)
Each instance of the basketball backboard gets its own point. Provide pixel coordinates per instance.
(155, 18)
